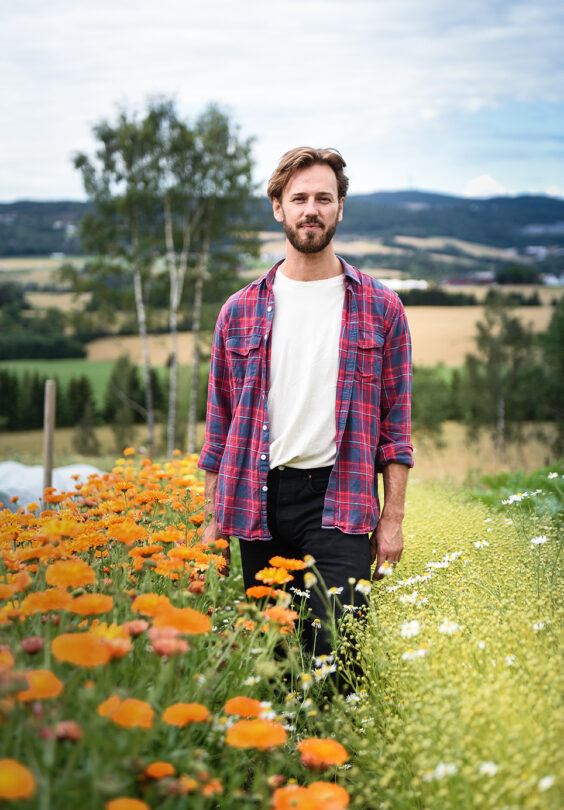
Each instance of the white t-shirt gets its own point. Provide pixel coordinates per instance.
(303, 371)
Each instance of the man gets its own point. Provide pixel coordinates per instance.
(309, 399)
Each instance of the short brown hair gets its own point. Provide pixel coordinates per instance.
(299, 158)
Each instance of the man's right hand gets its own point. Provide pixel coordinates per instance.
(210, 535)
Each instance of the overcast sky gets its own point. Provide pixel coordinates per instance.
(465, 97)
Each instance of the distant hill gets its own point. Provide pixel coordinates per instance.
(42, 228)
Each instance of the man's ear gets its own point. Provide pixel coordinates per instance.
(277, 210)
(341, 201)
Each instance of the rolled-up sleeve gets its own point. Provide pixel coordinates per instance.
(218, 417)
(395, 413)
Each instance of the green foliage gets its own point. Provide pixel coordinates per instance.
(552, 346)
(517, 274)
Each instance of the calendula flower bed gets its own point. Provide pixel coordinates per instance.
(132, 674)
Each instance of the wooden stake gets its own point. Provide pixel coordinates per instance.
(48, 431)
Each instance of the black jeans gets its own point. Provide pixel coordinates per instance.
(295, 507)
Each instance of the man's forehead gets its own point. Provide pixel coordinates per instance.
(317, 178)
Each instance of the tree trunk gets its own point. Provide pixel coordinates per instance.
(173, 327)
(194, 385)
(142, 323)
(500, 425)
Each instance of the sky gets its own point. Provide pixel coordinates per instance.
(459, 97)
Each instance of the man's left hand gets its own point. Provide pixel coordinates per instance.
(386, 544)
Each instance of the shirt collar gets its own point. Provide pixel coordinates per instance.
(351, 274)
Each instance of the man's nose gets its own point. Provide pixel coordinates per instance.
(311, 207)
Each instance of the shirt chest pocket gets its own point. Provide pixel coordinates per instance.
(369, 356)
(243, 356)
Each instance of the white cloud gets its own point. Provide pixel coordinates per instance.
(362, 75)
(483, 186)
(555, 191)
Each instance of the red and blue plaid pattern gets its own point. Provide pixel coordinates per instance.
(372, 406)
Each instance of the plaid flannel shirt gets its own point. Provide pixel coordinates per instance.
(372, 406)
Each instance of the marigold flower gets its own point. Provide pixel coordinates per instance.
(70, 574)
(181, 714)
(288, 563)
(328, 795)
(257, 733)
(244, 707)
(150, 604)
(293, 797)
(129, 451)
(16, 781)
(6, 659)
(135, 627)
(81, 649)
(273, 576)
(89, 604)
(133, 713)
(68, 730)
(321, 752)
(126, 804)
(169, 646)
(281, 615)
(44, 601)
(115, 636)
(126, 531)
(109, 706)
(42, 683)
(259, 591)
(212, 788)
(186, 784)
(158, 770)
(184, 619)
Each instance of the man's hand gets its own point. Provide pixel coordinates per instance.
(210, 535)
(211, 532)
(386, 543)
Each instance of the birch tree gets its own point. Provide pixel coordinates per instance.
(120, 228)
(204, 177)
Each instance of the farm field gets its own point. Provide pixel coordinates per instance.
(137, 677)
(439, 335)
(457, 462)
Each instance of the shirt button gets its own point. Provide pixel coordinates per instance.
(269, 309)
(264, 489)
(264, 427)
(263, 457)
(281, 467)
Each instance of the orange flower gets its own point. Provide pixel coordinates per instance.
(82, 649)
(133, 713)
(280, 615)
(6, 659)
(43, 601)
(329, 795)
(135, 627)
(259, 591)
(186, 784)
(129, 451)
(89, 604)
(212, 788)
(167, 646)
(294, 797)
(115, 637)
(184, 619)
(42, 683)
(180, 714)
(255, 733)
(157, 770)
(16, 781)
(126, 804)
(109, 706)
(150, 604)
(288, 563)
(244, 707)
(273, 576)
(321, 752)
(70, 574)
(127, 531)
(145, 551)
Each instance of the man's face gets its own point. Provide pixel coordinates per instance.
(310, 209)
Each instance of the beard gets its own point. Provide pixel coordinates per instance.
(310, 241)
